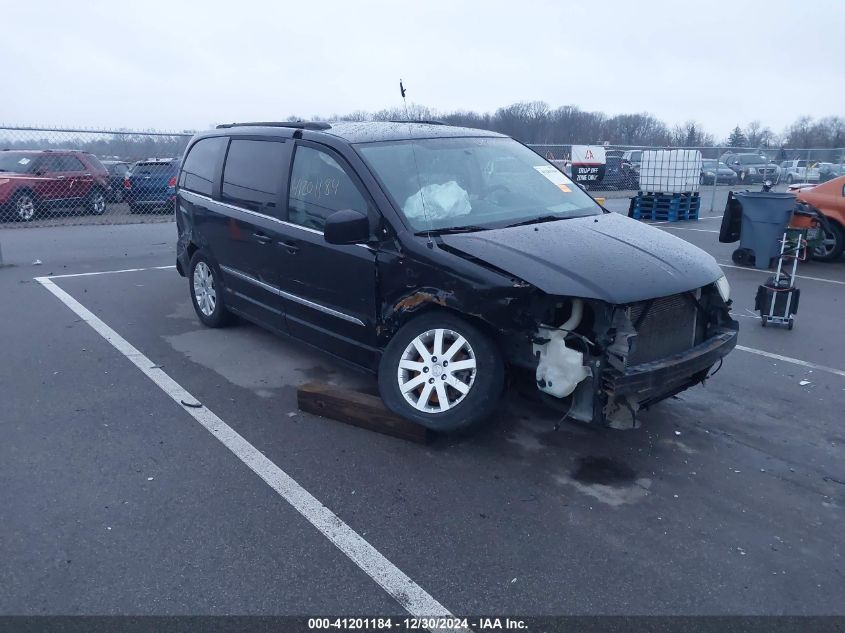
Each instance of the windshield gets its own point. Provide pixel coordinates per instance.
(473, 182)
(17, 162)
(751, 159)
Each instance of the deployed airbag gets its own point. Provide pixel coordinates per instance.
(437, 202)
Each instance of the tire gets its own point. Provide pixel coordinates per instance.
(204, 286)
(743, 257)
(764, 320)
(96, 203)
(834, 244)
(482, 373)
(24, 206)
(789, 179)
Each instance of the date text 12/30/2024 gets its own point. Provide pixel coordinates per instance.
(417, 624)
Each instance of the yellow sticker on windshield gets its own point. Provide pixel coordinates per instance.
(565, 189)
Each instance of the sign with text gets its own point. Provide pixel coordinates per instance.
(588, 164)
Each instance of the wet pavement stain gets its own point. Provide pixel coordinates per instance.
(602, 470)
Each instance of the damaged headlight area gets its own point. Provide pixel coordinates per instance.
(604, 363)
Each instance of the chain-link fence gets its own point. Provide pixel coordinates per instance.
(60, 177)
(63, 176)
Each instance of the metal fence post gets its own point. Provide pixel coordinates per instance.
(1, 254)
(715, 183)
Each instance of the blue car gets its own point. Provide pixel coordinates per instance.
(150, 185)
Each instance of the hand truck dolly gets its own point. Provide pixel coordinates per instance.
(777, 299)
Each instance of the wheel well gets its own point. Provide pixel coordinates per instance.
(192, 248)
(493, 333)
(26, 190)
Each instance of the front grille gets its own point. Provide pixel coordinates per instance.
(668, 328)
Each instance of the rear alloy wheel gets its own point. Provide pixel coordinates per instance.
(441, 372)
(833, 244)
(97, 202)
(25, 207)
(204, 285)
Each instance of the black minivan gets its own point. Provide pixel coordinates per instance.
(449, 261)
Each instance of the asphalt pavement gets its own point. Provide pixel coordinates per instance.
(729, 499)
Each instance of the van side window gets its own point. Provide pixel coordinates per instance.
(253, 175)
(198, 170)
(319, 186)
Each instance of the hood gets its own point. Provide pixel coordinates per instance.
(607, 257)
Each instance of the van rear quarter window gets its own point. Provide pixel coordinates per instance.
(201, 163)
(253, 175)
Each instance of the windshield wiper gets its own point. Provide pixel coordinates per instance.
(454, 229)
(542, 218)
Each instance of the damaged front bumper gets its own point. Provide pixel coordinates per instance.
(606, 363)
(651, 382)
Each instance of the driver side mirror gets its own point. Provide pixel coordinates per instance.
(347, 227)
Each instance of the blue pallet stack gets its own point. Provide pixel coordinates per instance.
(668, 207)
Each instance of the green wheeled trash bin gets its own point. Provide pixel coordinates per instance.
(764, 219)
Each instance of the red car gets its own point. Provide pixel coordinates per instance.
(35, 180)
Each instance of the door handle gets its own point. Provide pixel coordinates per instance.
(292, 247)
(262, 238)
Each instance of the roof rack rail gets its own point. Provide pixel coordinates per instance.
(426, 121)
(302, 125)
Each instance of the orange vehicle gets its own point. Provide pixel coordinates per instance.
(829, 198)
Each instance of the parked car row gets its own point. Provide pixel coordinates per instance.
(715, 171)
(751, 167)
(39, 181)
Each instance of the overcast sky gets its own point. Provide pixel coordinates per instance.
(178, 65)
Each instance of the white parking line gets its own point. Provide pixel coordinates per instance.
(687, 228)
(794, 361)
(109, 272)
(709, 217)
(404, 590)
(769, 272)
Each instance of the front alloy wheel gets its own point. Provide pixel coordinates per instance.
(832, 245)
(437, 370)
(441, 372)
